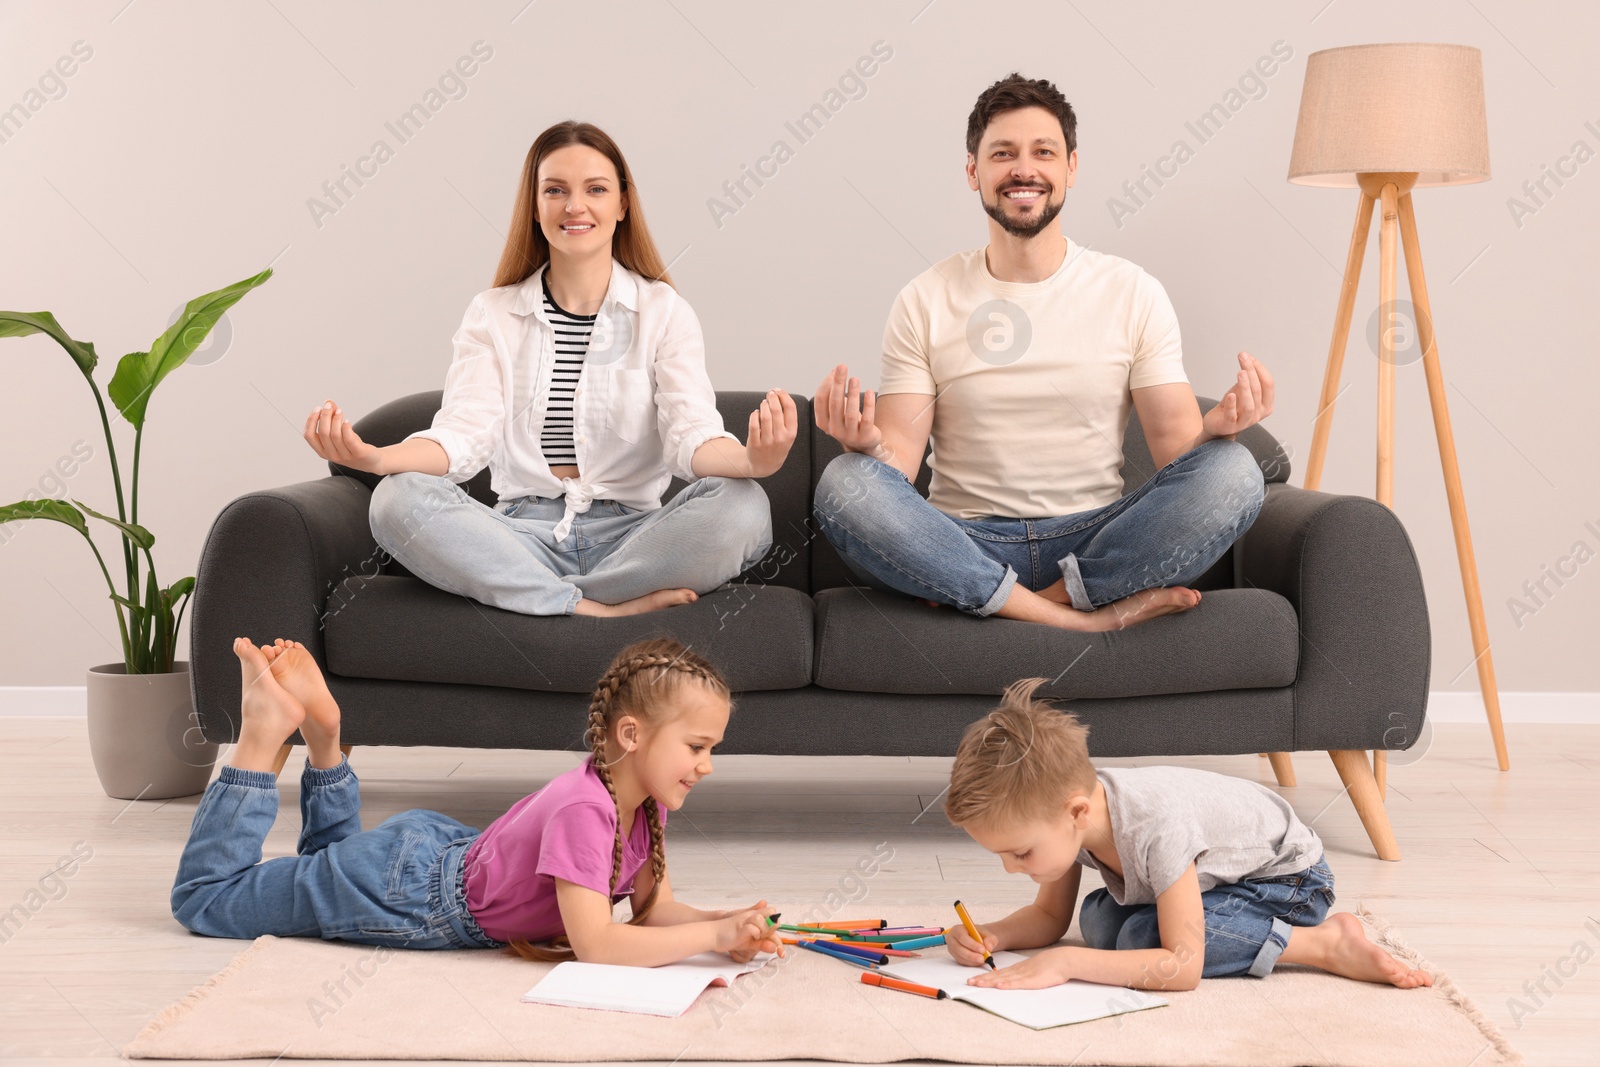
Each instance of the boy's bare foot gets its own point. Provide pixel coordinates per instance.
(1340, 946)
(268, 713)
(661, 598)
(296, 670)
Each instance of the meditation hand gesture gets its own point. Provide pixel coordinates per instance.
(846, 414)
(773, 427)
(334, 439)
(1247, 403)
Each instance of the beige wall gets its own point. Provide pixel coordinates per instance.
(182, 153)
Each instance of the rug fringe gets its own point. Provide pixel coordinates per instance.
(190, 1000)
(1443, 984)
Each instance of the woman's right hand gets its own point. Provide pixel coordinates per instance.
(964, 950)
(334, 439)
(846, 414)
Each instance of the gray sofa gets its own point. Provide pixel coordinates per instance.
(1313, 634)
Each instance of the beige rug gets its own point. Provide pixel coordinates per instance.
(307, 999)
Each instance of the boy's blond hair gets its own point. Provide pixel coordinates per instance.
(1019, 762)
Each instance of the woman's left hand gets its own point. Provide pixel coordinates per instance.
(772, 431)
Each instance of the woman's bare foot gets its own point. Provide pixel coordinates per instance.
(1340, 946)
(661, 598)
(269, 714)
(1140, 607)
(296, 670)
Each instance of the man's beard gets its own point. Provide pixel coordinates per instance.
(1025, 230)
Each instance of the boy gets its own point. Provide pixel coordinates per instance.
(1205, 875)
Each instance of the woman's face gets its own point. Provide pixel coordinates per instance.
(579, 201)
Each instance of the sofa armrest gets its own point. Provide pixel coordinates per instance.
(1347, 566)
(270, 565)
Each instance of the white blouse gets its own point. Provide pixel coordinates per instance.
(643, 404)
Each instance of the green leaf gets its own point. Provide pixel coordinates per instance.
(138, 373)
(23, 323)
(46, 508)
(125, 602)
(137, 534)
(181, 587)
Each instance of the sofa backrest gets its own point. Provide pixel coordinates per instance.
(801, 557)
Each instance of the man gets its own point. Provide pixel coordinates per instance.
(1021, 360)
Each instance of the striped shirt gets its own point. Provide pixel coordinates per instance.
(571, 341)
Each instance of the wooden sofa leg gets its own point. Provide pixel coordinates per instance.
(283, 757)
(1283, 767)
(346, 750)
(1356, 773)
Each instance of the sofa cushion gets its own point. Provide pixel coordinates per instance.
(403, 629)
(877, 642)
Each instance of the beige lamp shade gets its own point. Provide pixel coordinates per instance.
(1392, 108)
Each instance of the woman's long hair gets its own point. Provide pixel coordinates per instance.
(527, 249)
(642, 679)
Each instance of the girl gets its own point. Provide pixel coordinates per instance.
(580, 381)
(550, 868)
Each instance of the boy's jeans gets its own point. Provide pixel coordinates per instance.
(504, 556)
(1247, 924)
(399, 884)
(1167, 532)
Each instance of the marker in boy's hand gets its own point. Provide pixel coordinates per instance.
(967, 952)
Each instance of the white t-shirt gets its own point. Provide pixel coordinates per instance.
(1032, 379)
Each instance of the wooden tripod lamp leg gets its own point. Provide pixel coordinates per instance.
(1452, 480)
(1282, 762)
(1388, 254)
(283, 757)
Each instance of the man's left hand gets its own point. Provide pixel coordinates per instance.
(1247, 403)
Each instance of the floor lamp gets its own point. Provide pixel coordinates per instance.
(1387, 118)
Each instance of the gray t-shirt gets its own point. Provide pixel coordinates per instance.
(1165, 818)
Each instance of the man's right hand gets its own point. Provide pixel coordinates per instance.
(846, 414)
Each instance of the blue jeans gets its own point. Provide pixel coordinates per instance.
(1247, 924)
(1167, 532)
(505, 556)
(399, 884)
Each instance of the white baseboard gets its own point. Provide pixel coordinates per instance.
(70, 701)
(1467, 706)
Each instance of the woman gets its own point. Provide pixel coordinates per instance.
(580, 381)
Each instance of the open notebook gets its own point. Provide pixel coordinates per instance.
(1071, 1002)
(668, 990)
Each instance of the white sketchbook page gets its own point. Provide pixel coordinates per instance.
(668, 990)
(1072, 1002)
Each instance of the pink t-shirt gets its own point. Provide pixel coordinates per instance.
(566, 830)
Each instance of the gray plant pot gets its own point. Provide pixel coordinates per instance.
(144, 734)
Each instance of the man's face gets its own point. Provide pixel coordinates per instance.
(1022, 170)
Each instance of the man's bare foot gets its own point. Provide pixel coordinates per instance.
(296, 670)
(661, 598)
(1340, 946)
(269, 714)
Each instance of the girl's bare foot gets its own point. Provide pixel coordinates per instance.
(661, 598)
(1340, 946)
(296, 670)
(268, 713)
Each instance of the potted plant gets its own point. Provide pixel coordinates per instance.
(143, 731)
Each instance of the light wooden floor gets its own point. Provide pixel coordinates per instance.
(1498, 880)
